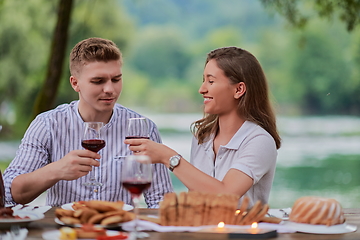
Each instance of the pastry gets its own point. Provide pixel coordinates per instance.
(317, 210)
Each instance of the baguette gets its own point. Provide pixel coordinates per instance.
(197, 208)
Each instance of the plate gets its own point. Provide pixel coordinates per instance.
(112, 226)
(55, 234)
(68, 206)
(321, 229)
(26, 218)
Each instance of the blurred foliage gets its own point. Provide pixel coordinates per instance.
(314, 70)
(4, 165)
(25, 35)
(295, 11)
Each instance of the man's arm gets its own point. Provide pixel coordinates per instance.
(26, 187)
(32, 171)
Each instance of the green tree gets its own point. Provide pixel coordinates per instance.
(321, 73)
(298, 13)
(162, 55)
(25, 39)
(353, 99)
(46, 97)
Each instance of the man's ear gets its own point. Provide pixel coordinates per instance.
(74, 83)
(240, 90)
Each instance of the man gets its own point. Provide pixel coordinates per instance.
(50, 157)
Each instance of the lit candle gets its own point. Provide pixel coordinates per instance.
(254, 228)
(220, 227)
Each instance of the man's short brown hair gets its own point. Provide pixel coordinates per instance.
(92, 50)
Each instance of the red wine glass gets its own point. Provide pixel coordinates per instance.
(93, 141)
(137, 128)
(136, 176)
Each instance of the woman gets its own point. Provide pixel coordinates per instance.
(234, 148)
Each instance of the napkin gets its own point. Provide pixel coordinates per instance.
(280, 213)
(150, 226)
(11, 236)
(36, 209)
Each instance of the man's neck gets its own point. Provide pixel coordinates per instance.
(94, 116)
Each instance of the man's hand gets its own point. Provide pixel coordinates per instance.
(76, 164)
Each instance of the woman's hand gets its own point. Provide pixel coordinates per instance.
(158, 153)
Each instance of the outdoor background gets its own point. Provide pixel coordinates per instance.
(313, 72)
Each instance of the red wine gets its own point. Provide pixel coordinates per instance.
(136, 137)
(93, 145)
(136, 187)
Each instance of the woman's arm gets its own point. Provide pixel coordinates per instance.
(193, 178)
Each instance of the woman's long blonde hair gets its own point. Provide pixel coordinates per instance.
(241, 66)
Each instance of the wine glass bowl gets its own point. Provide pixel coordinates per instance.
(93, 145)
(137, 128)
(92, 140)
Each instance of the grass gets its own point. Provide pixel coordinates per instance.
(3, 165)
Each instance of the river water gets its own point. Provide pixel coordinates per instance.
(319, 156)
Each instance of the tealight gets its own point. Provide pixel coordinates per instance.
(254, 228)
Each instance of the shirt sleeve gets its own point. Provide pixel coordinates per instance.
(257, 156)
(161, 182)
(31, 155)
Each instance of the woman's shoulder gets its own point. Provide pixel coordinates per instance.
(254, 132)
(254, 128)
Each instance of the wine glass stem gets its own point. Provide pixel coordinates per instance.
(136, 211)
(92, 175)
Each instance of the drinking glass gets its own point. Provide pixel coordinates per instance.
(136, 176)
(92, 140)
(137, 128)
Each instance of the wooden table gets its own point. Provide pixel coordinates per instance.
(352, 217)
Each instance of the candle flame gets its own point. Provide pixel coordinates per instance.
(254, 225)
(221, 225)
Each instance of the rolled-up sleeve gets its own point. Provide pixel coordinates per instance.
(31, 155)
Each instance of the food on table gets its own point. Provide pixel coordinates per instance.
(94, 212)
(120, 236)
(67, 233)
(317, 210)
(8, 213)
(87, 231)
(196, 209)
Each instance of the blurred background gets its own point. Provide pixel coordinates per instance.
(310, 52)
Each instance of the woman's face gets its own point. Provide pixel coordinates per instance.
(220, 96)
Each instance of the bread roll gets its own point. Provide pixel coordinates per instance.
(317, 210)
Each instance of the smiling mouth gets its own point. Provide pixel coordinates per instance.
(107, 99)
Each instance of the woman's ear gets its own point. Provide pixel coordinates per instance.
(240, 90)
(74, 83)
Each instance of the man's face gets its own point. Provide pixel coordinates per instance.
(99, 85)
